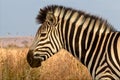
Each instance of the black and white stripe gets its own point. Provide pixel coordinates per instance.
(89, 38)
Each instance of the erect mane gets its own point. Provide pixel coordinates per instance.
(43, 12)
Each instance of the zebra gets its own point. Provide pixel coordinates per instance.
(89, 38)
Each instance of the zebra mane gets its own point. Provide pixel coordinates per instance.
(43, 12)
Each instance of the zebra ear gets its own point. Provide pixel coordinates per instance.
(50, 18)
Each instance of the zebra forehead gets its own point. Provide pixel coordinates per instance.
(61, 11)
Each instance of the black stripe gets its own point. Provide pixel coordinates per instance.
(92, 50)
(43, 39)
(54, 43)
(44, 54)
(66, 30)
(93, 45)
(107, 76)
(103, 50)
(114, 71)
(77, 46)
(60, 34)
(62, 25)
(91, 36)
(83, 42)
(110, 56)
(109, 50)
(45, 47)
(98, 48)
(103, 69)
(42, 44)
(72, 33)
(115, 48)
(55, 36)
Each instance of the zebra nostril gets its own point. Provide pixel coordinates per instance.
(34, 61)
(37, 55)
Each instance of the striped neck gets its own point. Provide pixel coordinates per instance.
(80, 32)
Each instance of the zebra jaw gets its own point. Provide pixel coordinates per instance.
(34, 60)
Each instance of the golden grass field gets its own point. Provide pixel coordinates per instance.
(13, 66)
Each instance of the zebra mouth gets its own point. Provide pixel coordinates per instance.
(41, 58)
(34, 61)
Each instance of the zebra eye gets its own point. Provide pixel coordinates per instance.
(48, 23)
(43, 34)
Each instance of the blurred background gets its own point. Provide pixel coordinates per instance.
(18, 26)
(17, 17)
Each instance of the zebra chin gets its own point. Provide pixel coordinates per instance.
(33, 62)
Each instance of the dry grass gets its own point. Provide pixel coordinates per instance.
(63, 66)
(13, 66)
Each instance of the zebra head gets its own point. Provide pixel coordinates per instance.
(46, 42)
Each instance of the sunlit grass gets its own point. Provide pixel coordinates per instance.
(13, 65)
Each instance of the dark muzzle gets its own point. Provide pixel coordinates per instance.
(33, 62)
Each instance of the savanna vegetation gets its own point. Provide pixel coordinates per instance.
(14, 66)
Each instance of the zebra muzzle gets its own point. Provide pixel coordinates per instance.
(33, 60)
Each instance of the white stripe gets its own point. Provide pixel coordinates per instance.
(78, 23)
(113, 57)
(88, 33)
(81, 34)
(103, 72)
(113, 54)
(88, 52)
(93, 54)
(67, 15)
(72, 20)
(118, 48)
(98, 58)
(57, 12)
